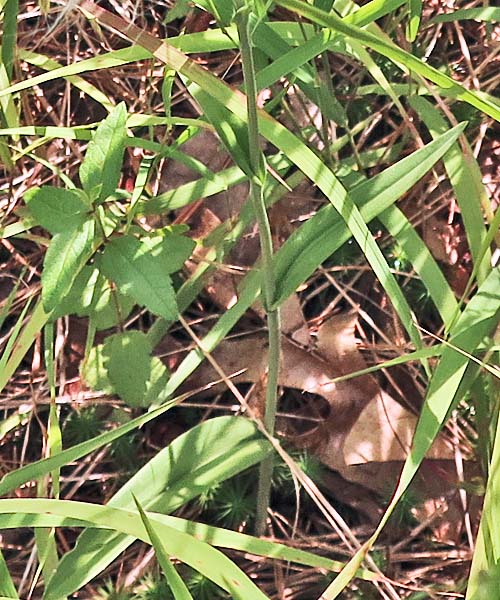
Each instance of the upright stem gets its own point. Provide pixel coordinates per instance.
(266, 247)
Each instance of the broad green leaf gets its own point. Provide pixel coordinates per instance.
(101, 169)
(178, 587)
(193, 462)
(56, 210)
(91, 296)
(67, 254)
(141, 274)
(180, 9)
(202, 557)
(107, 372)
(174, 247)
(127, 361)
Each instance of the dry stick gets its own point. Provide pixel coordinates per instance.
(266, 247)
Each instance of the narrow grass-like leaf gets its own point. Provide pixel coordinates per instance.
(178, 587)
(231, 130)
(101, 169)
(324, 233)
(422, 261)
(7, 587)
(211, 452)
(200, 556)
(394, 53)
(478, 319)
(39, 468)
(23, 343)
(216, 536)
(465, 177)
(67, 254)
(484, 13)
(484, 578)
(48, 64)
(415, 12)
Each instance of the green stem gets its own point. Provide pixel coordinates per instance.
(266, 246)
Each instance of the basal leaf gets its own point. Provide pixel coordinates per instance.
(101, 169)
(67, 254)
(55, 209)
(140, 273)
(207, 454)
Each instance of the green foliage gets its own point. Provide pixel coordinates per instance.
(102, 261)
(57, 210)
(101, 170)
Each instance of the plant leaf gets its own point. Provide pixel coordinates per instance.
(100, 171)
(91, 296)
(141, 273)
(55, 209)
(196, 460)
(67, 254)
(178, 587)
(209, 561)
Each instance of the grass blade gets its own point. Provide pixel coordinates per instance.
(178, 587)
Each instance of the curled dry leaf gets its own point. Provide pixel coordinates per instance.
(367, 433)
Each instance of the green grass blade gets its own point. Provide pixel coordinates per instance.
(415, 13)
(211, 452)
(216, 536)
(465, 177)
(48, 64)
(7, 587)
(422, 261)
(394, 53)
(321, 233)
(199, 555)
(484, 13)
(479, 318)
(484, 578)
(178, 587)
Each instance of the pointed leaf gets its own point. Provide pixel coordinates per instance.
(55, 209)
(141, 273)
(67, 254)
(193, 462)
(101, 169)
(178, 587)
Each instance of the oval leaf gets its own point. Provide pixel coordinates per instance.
(67, 254)
(141, 274)
(56, 210)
